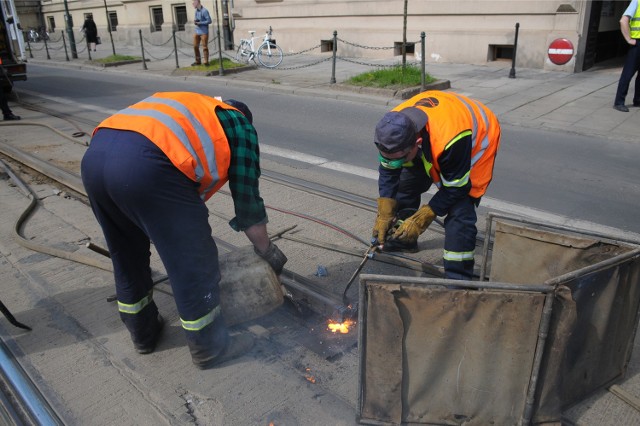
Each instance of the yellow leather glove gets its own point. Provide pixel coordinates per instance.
(386, 214)
(415, 225)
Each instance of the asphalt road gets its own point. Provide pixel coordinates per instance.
(557, 176)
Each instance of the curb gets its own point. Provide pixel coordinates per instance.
(214, 72)
(393, 93)
(115, 64)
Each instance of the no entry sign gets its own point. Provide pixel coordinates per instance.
(560, 51)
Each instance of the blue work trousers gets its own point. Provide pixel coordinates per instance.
(631, 67)
(459, 224)
(138, 196)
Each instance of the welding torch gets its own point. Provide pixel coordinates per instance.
(375, 246)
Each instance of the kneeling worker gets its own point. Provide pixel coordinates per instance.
(148, 171)
(442, 138)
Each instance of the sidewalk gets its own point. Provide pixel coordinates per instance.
(580, 103)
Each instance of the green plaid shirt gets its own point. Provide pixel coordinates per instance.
(244, 170)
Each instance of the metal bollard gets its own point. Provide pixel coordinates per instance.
(29, 46)
(221, 68)
(144, 61)
(423, 79)
(46, 46)
(175, 48)
(335, 49)
(512, 72)
(64, 43)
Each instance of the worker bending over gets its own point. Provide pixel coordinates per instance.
(148, 172)
(442, 138)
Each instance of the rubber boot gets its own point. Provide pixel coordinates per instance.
(148, 343)
(238, 346)
(144, 327)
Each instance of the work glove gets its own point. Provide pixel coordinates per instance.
(384, 220)
(414, 225)
(274, 257)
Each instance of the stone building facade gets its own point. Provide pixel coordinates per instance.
(461, 31)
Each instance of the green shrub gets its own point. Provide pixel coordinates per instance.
(394, 77)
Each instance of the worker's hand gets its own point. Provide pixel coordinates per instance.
(274, 257)
(386, 213)
(415, 225)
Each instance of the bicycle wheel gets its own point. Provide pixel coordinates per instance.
(242, 55)
(269, 54)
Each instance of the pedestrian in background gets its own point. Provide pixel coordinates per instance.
(90, 32)
(442, 138)
(148, 171)
(202, 21)
(630, 28)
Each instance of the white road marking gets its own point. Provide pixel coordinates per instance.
(487, 202)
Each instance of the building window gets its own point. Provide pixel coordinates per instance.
(157, 19)
(181, 17)
(410, 48)
(52, 24)
(113, 20)
(500, 52)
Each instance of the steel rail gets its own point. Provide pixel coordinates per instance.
(26, 398)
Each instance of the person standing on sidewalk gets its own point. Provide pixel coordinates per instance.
(630, 28)
(442, 138)
(202, 21)
(90, 32)
(148, 171)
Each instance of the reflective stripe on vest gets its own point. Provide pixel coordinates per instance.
(458, 256)
(205, 139)
(184, 126)
(634, 24)
(134, 308)
(202, 322)
(177, 131)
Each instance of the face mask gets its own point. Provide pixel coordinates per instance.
(393, 164)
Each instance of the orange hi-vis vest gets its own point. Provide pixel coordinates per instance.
(184, 126)
(452, 117)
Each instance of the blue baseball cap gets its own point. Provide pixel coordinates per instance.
(398, 130)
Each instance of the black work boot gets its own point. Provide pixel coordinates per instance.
(11, 116)
(148, 344)
(238, 345)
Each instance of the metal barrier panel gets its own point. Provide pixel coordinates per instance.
(594, 326)
(432, 354)
(555, 323)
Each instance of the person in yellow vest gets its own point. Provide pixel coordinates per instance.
(630, 28)
(442, 138)
(148, 171)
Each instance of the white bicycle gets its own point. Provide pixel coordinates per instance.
(268, 53)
